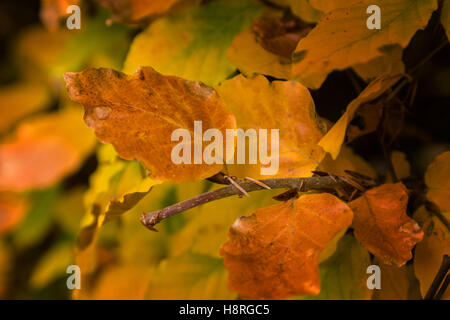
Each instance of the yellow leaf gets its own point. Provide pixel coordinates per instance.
(347, 160)
(341, 38)
(52, 264)
(120, 283)
(20, 100)
(390, 62)
(114, 188)
(429, 253)
(334, 138)
(284, 105)
(402, 167)
(208, 225)
(250, 57)
(189, 276)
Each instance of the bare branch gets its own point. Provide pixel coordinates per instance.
(313, 183)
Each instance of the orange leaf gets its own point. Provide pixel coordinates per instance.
(274, 253)
(44, 150)
(382, 226)
(138, 114)
(12, 210)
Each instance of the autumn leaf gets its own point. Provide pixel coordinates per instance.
(347, 160)
(401, 166)
(279, 35)
(119, 282)
(189, 276)
(191, 43)
(274, 253)
(343, 276)
(44, 150)
(340, 39)
(287, 106)
(115, 188)
(429, 253)
(382, 226)
(207, 228)
(333, 139)
(330, 5)
(250, 57)
(390, 62)
(138, 114)
(437, 178)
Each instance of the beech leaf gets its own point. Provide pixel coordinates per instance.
(341, 39)
(382, 226)
(138, 114)
(191, 44)
(284, 105)
(274, 253)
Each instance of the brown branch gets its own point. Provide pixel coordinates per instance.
(313, 183)
(442, 272)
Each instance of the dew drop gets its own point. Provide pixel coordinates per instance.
(102, 113)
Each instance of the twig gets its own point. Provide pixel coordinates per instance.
(444, 287)
(442, 272)
(313, 183)
(434, 209)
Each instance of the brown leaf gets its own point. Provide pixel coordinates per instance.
(274, 253)
(138, 113)
(280, 35)
(382, 226)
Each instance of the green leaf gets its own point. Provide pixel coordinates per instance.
(192, 44)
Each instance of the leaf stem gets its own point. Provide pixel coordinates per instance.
(313, 183)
